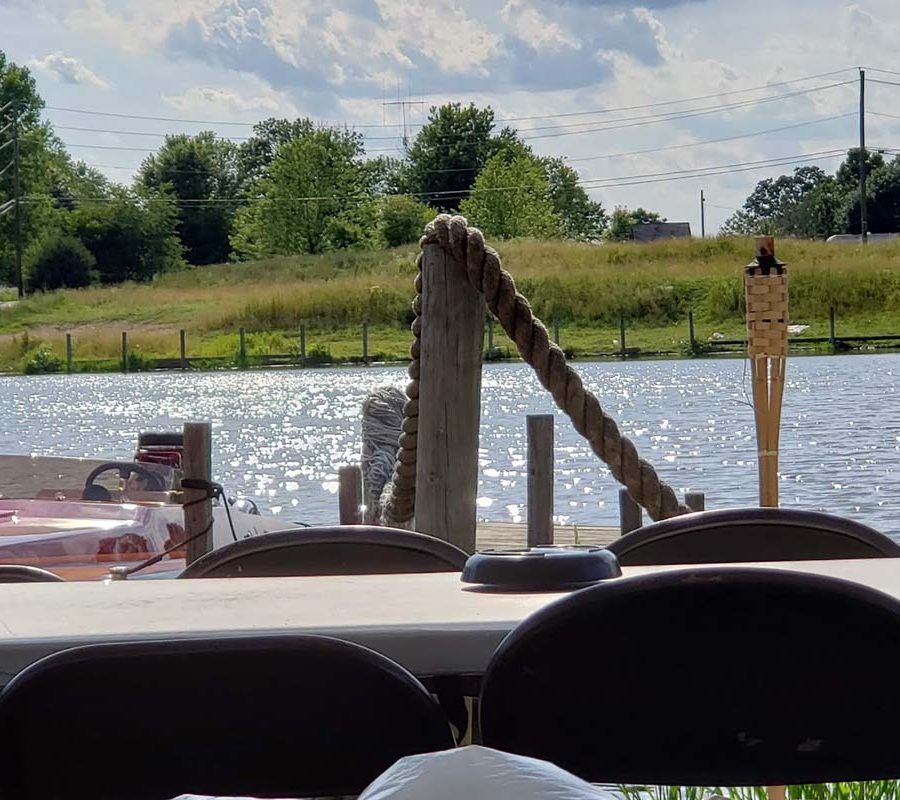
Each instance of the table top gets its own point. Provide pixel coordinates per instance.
(431, 623)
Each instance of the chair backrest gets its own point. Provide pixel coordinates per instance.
(751, 534)
(17, 573)
(277, 716)
(340, 550)
(704, 677)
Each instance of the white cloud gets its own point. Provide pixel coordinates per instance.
(68, 69)
(442, 32)
(535, 28)
(209, 99)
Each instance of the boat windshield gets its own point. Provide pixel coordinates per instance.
(49, 477)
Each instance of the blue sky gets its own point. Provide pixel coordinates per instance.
(534, 61)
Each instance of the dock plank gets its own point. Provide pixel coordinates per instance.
(511, 534)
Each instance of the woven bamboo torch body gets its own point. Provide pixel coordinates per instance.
(766, 286)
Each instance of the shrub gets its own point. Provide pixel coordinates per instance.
(402, 220)
(43, 362)
(59, 262)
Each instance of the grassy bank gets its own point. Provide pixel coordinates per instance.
(588, 289)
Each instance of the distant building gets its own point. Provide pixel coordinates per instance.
(654, 231)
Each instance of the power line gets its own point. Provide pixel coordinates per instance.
(714, 141)
(659, 104)
(614, 125)
(604, 183)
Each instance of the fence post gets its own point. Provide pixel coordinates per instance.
(197, 466)
(691, 336)
(831, 336)
(630, 515)
(450, 396)
(124, 351)
(243, 347)
(696, 501)
(540, 479)
(69, 353)
(303, 345)
(556, 331)
(622, 337)
(183, 347)
(350, 495)
(365, 343)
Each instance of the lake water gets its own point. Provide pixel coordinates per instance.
(281, 435)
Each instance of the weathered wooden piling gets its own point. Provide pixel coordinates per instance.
(540, 479)
(453, 316)
(197, 465)
(350, 495)
(631, 516)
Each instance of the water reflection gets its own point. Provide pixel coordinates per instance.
(281, 435)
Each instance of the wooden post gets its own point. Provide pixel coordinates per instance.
(693, 339)
(631, 517)
(69, 352)
(696, 501)
(124, 351)
(622, 336)
(197, 465)
(831, 336)
(365, 342)
(183, 345)
(450, 398)
(540, 479)
(556, 331)
(350, 495)
(303, 345)
(243, 347)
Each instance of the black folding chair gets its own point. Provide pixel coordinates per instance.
(339, 550)
(273, 716)
(751, 534)
(710, 677)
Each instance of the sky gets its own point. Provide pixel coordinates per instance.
(740, 83)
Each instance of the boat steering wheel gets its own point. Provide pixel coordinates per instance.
(154, 482)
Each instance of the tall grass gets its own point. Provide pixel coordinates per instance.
(582, 285)
(871, 790)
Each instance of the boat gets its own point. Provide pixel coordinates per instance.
(93, 519)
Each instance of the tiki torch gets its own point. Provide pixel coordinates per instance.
(765, 283)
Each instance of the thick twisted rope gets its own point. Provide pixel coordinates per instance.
(486, 274)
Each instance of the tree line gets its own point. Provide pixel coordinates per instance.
(811, 204)
(293, 187)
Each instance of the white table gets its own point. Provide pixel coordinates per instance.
(429, 623)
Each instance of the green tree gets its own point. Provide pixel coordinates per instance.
(581, 218)
(200, 172)
(771, 206)
(131, 237)
(37, 148)
(512, 199)
(57, 262)
(624, 219)
(882, 201)
(314, 180)
(450, 151)
(257, 153)
(401, 219)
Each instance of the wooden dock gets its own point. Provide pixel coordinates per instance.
(511, 534)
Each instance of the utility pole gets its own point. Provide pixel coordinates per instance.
(17, 194)
(863, 165)
(15, 202)
(702, 215)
